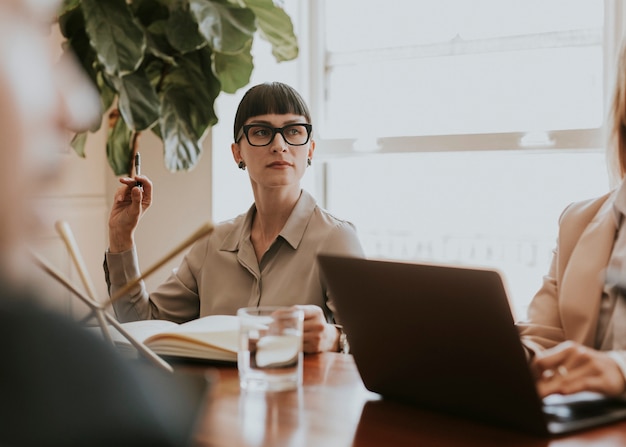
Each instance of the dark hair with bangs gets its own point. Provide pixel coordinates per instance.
(270, 97)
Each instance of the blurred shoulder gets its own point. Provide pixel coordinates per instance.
(585, 210)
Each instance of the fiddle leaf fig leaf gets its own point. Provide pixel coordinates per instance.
(234, 70)
(156, 129)
(78, 48)
(138, 102)
(107, 94)
(160, 65)
(227, 28)
(276, 27)
(181, 145)
(68, 5)
(149, 11)
(73, 28)
(189, 92)
(158, 45)
(118, 146)
(78, 143)
(193, 79)
(182, 31)
(119, 41)
(71, 21)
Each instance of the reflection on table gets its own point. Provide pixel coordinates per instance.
(333, 408)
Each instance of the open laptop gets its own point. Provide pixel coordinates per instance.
(443, 337)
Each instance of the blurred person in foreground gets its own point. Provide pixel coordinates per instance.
(60, 385)
(575, 330)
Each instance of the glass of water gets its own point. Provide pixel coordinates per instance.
(270, 348)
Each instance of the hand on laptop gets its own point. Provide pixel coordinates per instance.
(571, 367)
(318, 335)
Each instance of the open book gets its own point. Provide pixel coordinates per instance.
(215, 337)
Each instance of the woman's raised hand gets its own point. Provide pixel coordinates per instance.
(129, 204)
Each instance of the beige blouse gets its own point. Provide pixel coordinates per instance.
(220, 273)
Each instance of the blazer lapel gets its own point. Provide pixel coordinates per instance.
(583, 278)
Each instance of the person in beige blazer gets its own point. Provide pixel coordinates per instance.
(575, 330)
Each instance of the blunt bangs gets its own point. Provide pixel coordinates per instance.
(269, 98)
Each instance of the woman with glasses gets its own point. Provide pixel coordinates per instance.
(266, 256)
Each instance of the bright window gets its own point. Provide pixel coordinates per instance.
(457, 131)
(497, 209)
(441, 67)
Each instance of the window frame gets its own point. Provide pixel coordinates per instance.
(327, 148)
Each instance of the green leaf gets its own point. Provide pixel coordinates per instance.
(164, 62)
(276, 27)
(182, 31)
(71, 21)
(149, 11)
(194, 80)
(68, 5)
(107, 94)
(73, 28)
(181, 145)
(73, 25)
(79, 45)
(114, 34)
(155, 69)
(138, 102)
(154, 16)
(118, 147)
(158, 45)
(228, 28)
(78, 143)
(156, 129)
(233, 71)
(189, 92)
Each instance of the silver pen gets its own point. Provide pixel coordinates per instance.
(138, 168)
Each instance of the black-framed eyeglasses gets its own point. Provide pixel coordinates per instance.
(261, 134)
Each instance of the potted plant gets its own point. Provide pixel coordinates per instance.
(159, 65)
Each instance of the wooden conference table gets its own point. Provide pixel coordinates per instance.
(333, 408)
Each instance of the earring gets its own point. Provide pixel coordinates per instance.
(242, 165)
(308, 162)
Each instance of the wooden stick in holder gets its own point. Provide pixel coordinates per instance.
(64, 230)
(96, 306)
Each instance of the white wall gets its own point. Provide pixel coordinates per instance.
(79, 198)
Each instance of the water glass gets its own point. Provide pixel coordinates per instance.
(270, 348)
